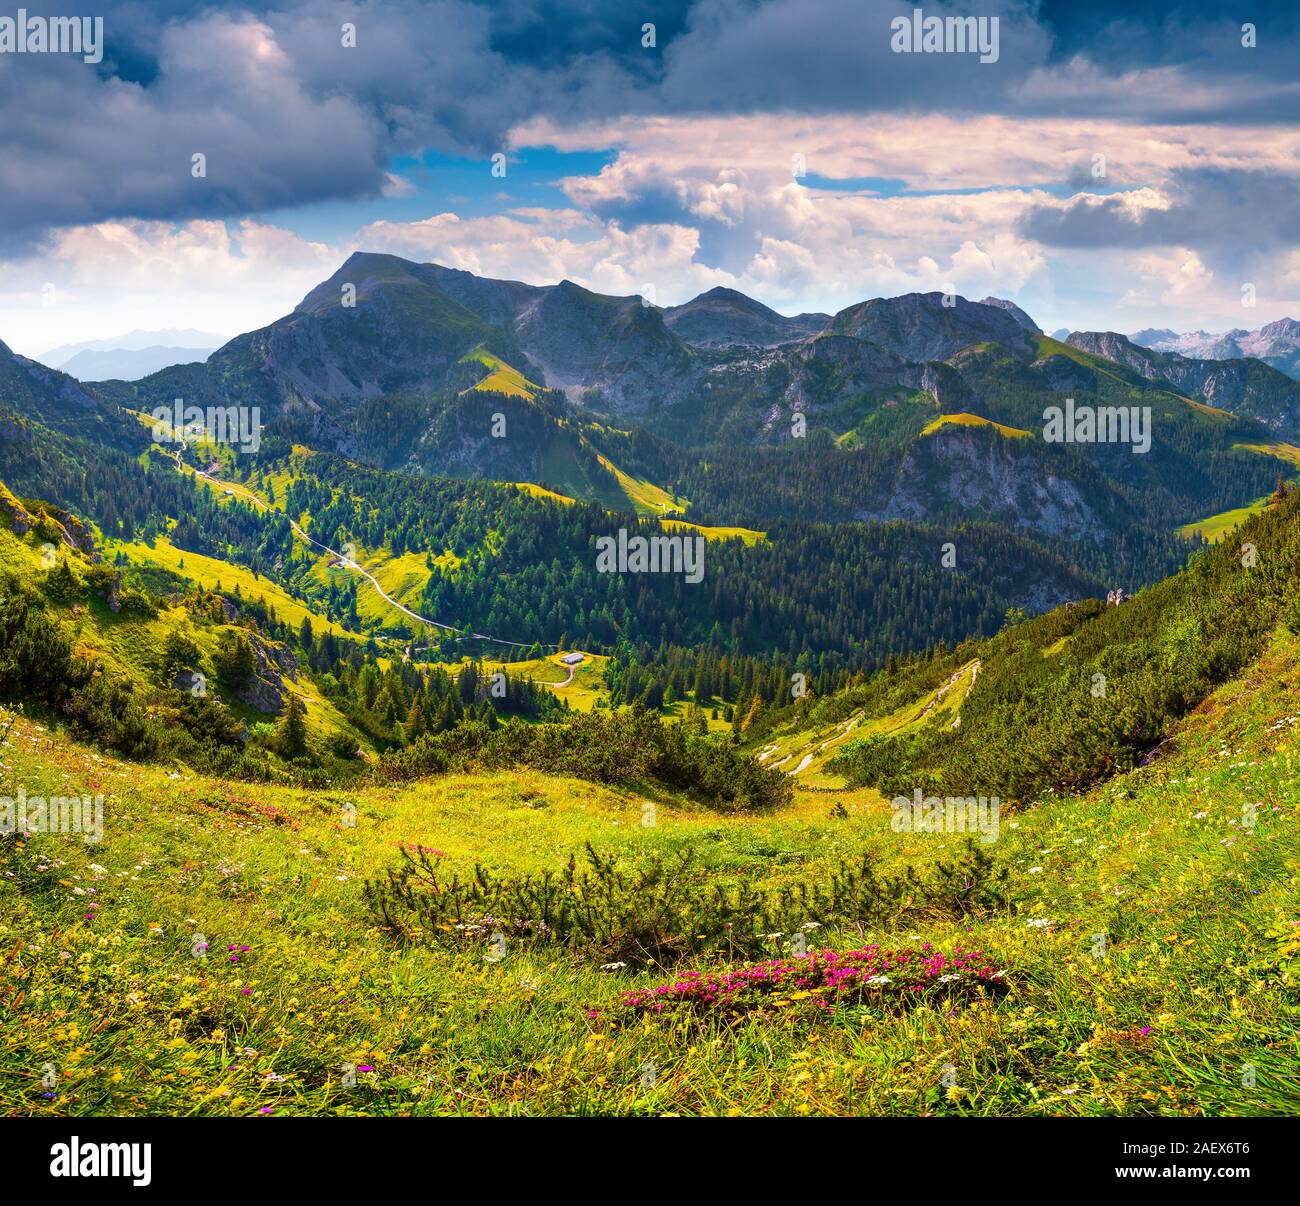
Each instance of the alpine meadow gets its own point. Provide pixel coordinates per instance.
(708, 560)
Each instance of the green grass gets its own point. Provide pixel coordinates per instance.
(644, 495)
(131, 645)
(212, 573)
(582, 693)
(568, 477)
(563, 471)
(968, 420)
(805, 751)
(1047, 346)
(501, 378)
(1190, 1008)
(1283, 451)
(537, 491)
(1216, 527)
(1197, 982)
(748, 535)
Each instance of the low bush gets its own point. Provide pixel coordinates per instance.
(633, 747)
(826, 978)
(663, 910)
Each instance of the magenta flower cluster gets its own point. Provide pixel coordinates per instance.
(825, 977)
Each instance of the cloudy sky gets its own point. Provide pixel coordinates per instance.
(1118, 166)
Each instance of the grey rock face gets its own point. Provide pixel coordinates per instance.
(1015, 311)
(979, 470)
(724, 317)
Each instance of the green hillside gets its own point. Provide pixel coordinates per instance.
(1075, 695)
(1120, 991)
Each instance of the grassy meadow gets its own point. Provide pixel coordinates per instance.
(1188, 1003)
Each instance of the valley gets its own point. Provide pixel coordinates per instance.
(362, 706)
(563, 561)
(1161, 1021)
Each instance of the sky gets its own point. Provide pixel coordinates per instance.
(1118, 166)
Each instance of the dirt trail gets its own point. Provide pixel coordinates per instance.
(973, 669)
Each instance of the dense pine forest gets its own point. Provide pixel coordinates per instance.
(524, 567)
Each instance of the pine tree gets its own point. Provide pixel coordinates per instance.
(414, 725)
(63, 585)
(293, 728)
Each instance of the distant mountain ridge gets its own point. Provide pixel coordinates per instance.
(1226, 383)
(1276, 344)
(127, 364)
(709, 369)
(134, 341)
(131, 356)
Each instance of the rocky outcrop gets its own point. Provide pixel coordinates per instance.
(1014, 310)
(943, 383)
(76, 533)
(14, 514)
(265, 689)
(192, 682)
(724, 317)
(831, 368)
(920, 327)
(980, 471)
(53, 523)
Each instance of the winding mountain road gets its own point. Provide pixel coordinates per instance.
(345, 561)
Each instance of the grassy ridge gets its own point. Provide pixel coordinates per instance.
(968, 420)
(1215, 527)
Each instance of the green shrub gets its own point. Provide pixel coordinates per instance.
(624, 747)
(663, 910)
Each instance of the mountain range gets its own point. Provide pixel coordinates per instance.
(926, 407)
(131, 356)
(1276, 343)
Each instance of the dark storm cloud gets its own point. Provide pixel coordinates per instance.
(835, 56)
(290, 116)
(283, 112)
(1242, 211)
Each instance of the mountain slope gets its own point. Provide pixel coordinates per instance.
(722, 317)
(920, 326)
(1245, 387)
(1085, 690)
(617, 349)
